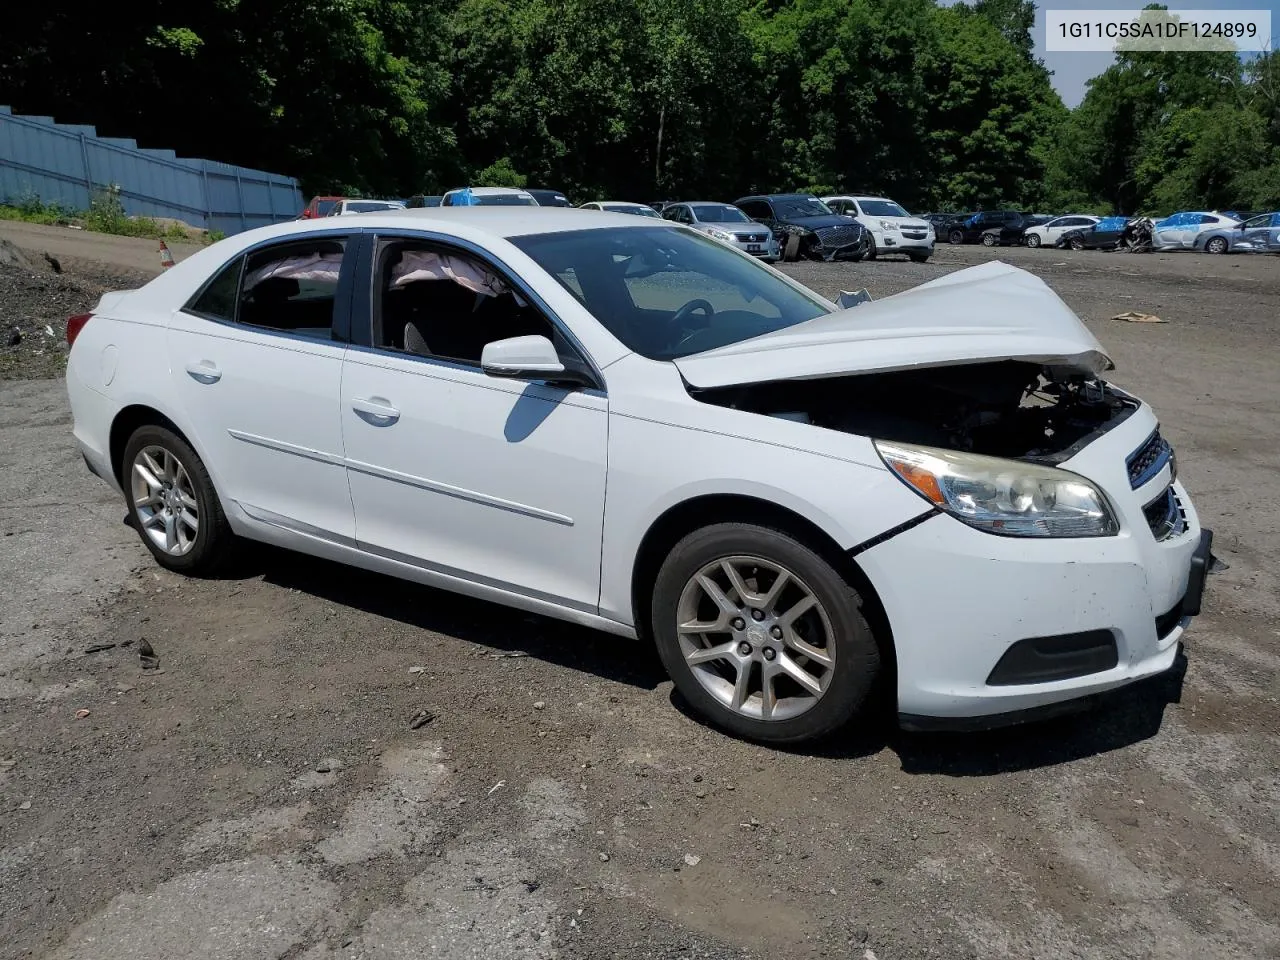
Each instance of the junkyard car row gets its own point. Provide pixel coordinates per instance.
(934, 500)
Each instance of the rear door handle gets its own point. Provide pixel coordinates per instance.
(376, 410)
(204, 371)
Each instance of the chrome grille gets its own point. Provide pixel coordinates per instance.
(751, 237)
(839, 236)
(1148, 460)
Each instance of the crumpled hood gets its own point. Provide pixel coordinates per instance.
(986, 313)
(817, 223)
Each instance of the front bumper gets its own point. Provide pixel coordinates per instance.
(765, 251)
(900, 242)
(957, 599)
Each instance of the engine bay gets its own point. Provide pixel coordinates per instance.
(1008, 408)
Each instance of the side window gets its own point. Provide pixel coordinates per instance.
(291, 287)
(1205, 218)
(1275, 219)
(838, 206)
(432, 301)
(218, 300)
(683, 215)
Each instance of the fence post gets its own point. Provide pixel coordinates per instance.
(271, 198)
(88, 175)
(240, 196)
(208, 197)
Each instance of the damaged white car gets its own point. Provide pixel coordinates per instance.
(627, 424)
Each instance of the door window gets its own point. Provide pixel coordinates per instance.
(433, 301)
(288, 287)
(756, 209)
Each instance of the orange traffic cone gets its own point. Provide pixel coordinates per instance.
(166, 258)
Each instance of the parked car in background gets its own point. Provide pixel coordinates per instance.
(943, 223)
(623, 206)
(810, 511)
(1106, 234)
(892, 229)
(1259, 234)
(488, 197)
(1012, 231)
(1187, 230)
(351, 205)
(319, 207)
(548, 198)
(971, 229)
(418, 201)
(1049, 232)
(660, 205)
(805, 227)
(726, 223)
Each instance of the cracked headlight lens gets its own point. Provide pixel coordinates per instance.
(1006, 497)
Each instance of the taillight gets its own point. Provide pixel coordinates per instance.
(75, 325)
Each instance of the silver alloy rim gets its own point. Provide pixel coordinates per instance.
(756, 638)
(165, 501)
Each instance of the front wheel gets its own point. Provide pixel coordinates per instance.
(1033, 240)
(172, 503)
(761, 635)
(988, 240)
(1075, 243)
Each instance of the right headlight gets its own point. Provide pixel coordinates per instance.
(1005, 497)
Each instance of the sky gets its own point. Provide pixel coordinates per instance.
(1072, 70)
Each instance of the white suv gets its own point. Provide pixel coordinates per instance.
(893, 230)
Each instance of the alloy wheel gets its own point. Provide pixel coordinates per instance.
(164, 500)
(756, 637)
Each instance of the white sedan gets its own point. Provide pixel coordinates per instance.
(629, 425)
(1049, 233)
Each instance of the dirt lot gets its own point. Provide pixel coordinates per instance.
(262, 793)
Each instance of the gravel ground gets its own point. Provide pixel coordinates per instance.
(262, 794)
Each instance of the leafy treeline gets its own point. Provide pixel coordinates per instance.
(638, 99)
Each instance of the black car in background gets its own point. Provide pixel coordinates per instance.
(548, 198)
(1012, 230)
(971, 228)
(419, 200)
(1106, 234)
(806, 227)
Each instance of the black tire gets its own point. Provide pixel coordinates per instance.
(791, 248)
(1216, 245)
(856, 670)
(1033, 240)
(1075, 243)
(872, 252)
(918, 257)
(955, 237)
(989, 240)
(214, 542)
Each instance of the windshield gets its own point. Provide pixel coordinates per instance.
(669, 293)
(325, 207)
(882, 208)
(800, 207)
(369, 206)
(639, 209)
(503, 200)
(718, 213)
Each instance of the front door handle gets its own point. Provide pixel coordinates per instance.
(375, 410)
(204, 371)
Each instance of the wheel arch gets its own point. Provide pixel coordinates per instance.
(685, 517)
(127, 421)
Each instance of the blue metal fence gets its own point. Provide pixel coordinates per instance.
(69, 164)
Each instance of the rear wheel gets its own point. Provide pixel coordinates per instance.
(956, 237)
(1216, 245)
(761, 635)
(988, 239)
(1075, 243)
(172, 502)
(1033, 240)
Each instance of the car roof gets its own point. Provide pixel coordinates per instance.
(622, 203)
(491, 191)
(496, 222)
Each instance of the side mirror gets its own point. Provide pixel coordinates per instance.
(521, 358)
(528, 358)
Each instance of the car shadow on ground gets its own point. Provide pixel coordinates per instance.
(1119, 719)
(504, 629)
(1116, 720)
